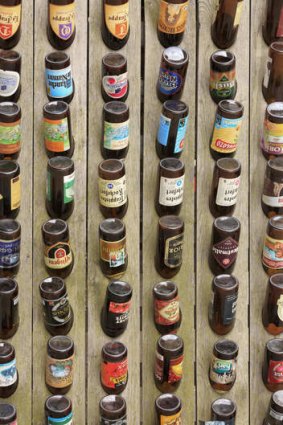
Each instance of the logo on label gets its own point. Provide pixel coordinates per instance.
(170, 82)
(275, 372)
(65, 30)
(225, 252)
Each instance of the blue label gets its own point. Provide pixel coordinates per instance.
(67, 420)
(59, 82)
(181, 133)
(222, 122)
(10, 252)
(169, 82)
(8, 374)
(164, 129)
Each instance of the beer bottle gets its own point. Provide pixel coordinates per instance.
(61, 29)
(115, 29)
(226, 25)
(10, 23)
(172, 21)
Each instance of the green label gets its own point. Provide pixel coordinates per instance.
(69, 193)
(10, 135)
(56, 135)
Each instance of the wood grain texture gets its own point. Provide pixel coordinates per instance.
(185, 278)
(76, 282)
(97, 283)
(206, 114)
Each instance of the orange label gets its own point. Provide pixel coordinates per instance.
(173, 17)
(113, 252)
(62, 19)
(171, 420)
(10, 20)
(117, 19)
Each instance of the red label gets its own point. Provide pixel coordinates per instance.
(119, 308)
(225, 252)
(279, 32)
(167, 312)
(113, 375)
(275, 372)
(6, 31)
(175, 372)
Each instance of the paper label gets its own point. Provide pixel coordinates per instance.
(238, 13)
(164, 130)
(272, 141)
(272, 193)
(115, 86)
(62, 19)
(170, 82)
(267, 72)
(223, 84)
(69, 182)
(10, 253)
(67, 420)
(113, 252)
(9, 82)
(275, 415)
(59, 82)
(58, 256)
(226, 134)
(229, 308)
(225, 252)
(167, 312)
(174, 251)
(227, 191)
(272, 255)
(121, 421)
(112, 193)
(117, 19)
(171, 191)
(222, 371)
(175, 372)
(114, 375)
(10, 20)
(8, 374)
(120, 310)
(275, 372)
(10, 137)
(59, 372)
(171, 420)
(116, 135)
(15, 192)
(56, 135)
(57, 311)
(173, 17)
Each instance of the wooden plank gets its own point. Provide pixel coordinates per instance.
(206, 113)
(76, 282)
(185, 278)
(96, 282)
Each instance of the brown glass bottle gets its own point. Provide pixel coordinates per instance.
(10, 189)
(58, 77)
(222, 83)
(115, 83)
(113, 197)
(274, 415)
(60, 187)
(172, 74)
(8, 414)
(225, 187)
(61, 28)
(272, 370)
(114, 367)
(222, 372)
(58, 255)
(112, 244)
(57, 312)
(169, 250)
(58, 138)
(116, 121)
(58, 407)
(167, 312)
(10, 246)
(116, 308)
(225, 28)
(10, 23)
(113, 410)
(272, 196)
(225, 410)
(9, 376)
(170, 186)
(272, 255)
(272, 138)
(172, 21)
(172, 129)
(224, 245)
(272, 312)
(272, 85)
(272, 29)
(115, 29)
(168, 408)
(222, 309)
(59, 364)
(9, 308)
(10, 75)
(10, 130)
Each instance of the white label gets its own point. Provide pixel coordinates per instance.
(115, 86)
(8, 374)
(267, 72)
(9, 82)
(280, 308)
(227, 192)
(112, 193)
(171, 191)
(276, 415)
(16, 300)
(272, 201)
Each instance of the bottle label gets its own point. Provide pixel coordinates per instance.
(238, 13)
(275, 415)
(115, 86)
(222, 371)
(164, 129)
(114, 375)
(56, 135)
(62, 19)
(229, 308)
(8, 374)
(227, 191)
(167, 312)
(15, 192)
(10, 19)
(272, 255)
(121, 310)
(181, 133)
(226, 134)
(112, 193)
(67, 420)
(172, 17)
(58, 256)
(170, 82)
(9, 82)
(171, 191)
(116, 135)
(57, 311)
(175, 372)
(10, 253)
(272, 193)
(10, 137)
(174, 251)
(113, 252)
(267, 72)
(172, 419)
(117, 19)
(69, 182)
(223, 84)
(213, 423)
(121, 421)
(59, 82)
(275, 372)
(280, 307)
(225, 252)
(59, 372)
(272, 141)
(279, 32)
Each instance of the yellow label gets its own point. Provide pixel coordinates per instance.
(238, 13)
(112, 193)
(15, 193)
(10, 20)
(117, 19)
(62, 20)
(172, 17)
(171, 420)
(225, 134)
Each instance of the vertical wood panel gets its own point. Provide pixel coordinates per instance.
(76, 282)
(97, 284)
(206, 113)
(185, 278)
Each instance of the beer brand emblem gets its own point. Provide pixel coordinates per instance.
(6, 31)
(65, 30)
